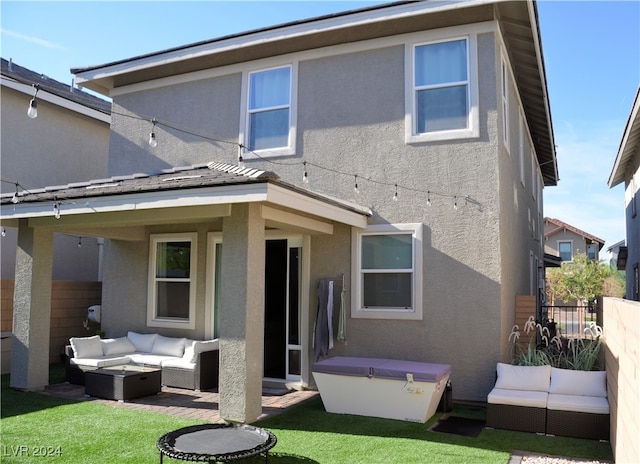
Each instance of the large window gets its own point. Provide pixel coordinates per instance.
(388, 263)
(269, 126)
(172, 266)
(443, 96)
(566, 251)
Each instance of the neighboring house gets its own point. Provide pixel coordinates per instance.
(566, 241)
(618, 255)
(626, 169)
(67, 141)
(433, 117)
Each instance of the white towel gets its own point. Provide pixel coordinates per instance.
(330, 313)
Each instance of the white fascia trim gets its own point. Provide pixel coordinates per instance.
(307, 55)
(260, 38)
(284, 197)
(44, 95)
(145, 201)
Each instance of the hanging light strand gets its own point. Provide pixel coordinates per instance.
(32, 111)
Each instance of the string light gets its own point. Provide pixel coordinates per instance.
(428, 198)
(152, 136)
(56, 210)
(355, 185)
(395, 195)
(79, 242)
(14, 198)
(3, 232)
(240, 158)
(305, 176)
(32, 112)
(455, 203)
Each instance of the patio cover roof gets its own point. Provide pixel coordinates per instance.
(119, 206)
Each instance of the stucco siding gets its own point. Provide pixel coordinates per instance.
(632, 205)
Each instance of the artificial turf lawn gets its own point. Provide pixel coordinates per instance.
(82, 432)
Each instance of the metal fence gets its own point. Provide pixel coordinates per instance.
(568, 321)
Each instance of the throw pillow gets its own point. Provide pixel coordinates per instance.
(529, 378)
(142, 342)
(168, 346)
(86, 347)
(122, 345)
(578, 383)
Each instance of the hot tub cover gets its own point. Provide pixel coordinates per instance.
(393, 369)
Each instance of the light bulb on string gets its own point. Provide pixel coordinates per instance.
(56, 210)
(3, 232)
(455, 203)
(32, 111)
(355, 185)
(79, 242)
(153, 142)
(395, 194)
(305, 176)
(14, 198)
(428, 198)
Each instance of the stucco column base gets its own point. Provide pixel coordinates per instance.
(32, 308)
(242, 314)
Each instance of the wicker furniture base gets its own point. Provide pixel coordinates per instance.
(578, 424)
(122, 382)
(520, 418)
(216, 443)
(203, 377)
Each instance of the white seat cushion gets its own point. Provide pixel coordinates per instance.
(533, 378)
(148, 359)
(531, 399)
(101, 361)
(578, 403)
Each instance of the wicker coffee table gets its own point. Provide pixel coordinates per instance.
(124, 382)
(216, 443)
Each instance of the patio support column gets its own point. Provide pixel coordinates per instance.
(32, 308)
(242, 314)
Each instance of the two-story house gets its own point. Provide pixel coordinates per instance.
(399, 151)
(564, 240)
(626, 168)
(52, 134)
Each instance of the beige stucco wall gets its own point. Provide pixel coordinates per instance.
(351, 118)
(58, 147)
(621, 326)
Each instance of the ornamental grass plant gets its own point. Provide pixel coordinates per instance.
(86, 432)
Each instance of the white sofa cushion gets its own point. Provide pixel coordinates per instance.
(531, 399)
(113, 346)
(202, 346)
(577, 403)
(86, 347)
(148, 359)
(530, 378)
(142, 342)
(580, 383)
(168, 346)
(101, 361)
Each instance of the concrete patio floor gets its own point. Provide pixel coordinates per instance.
(189, 404)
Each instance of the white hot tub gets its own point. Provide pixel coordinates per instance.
(388, 388)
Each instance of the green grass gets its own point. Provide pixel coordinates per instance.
(87, 432)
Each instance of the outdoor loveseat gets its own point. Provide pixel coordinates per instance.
(545, 399)
(185, 363)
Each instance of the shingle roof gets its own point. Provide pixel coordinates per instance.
(25, 76)
(563, 225)
(204, 175)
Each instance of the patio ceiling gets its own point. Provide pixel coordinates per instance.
(121, 207)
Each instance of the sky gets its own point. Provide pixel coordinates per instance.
(591, 53)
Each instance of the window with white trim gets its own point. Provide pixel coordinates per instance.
(443, 87)
(172, 276)
(269, 127)
(565, 250)
(387, 280)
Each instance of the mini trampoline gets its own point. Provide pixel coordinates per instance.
(216, 443)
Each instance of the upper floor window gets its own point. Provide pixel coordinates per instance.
(592, 251)
(172, 268)
(566, 251)
(387, 283)
(269, 127)
(443, 92)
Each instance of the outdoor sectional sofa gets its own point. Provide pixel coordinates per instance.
(545, 399)
(185, 363)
